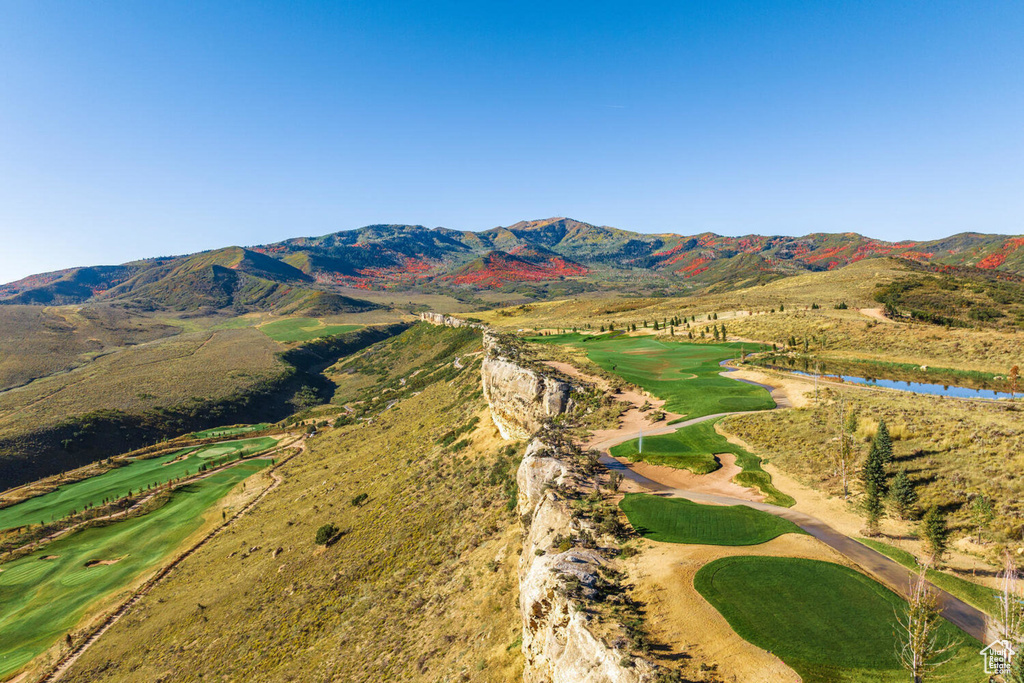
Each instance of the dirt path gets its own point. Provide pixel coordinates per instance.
(718, 490)
(67, 661)
(876, 314)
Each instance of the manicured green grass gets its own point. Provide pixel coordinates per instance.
(229, 431)
(42, 599)
(826, 621)
(693, 448)
(982, 597)
(118, 482)
(303, 329)
(686, 376)
(677, 520)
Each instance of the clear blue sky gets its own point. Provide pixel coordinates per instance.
(132, 129)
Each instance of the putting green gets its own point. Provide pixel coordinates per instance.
(303, 329)
(116, 483)
(686, 376)
(677, 520)
(826, 621)
(41, 600)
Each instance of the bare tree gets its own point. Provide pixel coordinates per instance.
(843, 457)
(1011, 603)
(920, 646)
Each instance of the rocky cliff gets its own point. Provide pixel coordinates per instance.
(521, 398)
(558, 643)
(558, 573)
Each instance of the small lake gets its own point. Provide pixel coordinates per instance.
(916, 387)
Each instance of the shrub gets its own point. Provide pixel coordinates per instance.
(325, 533)
(360, 499)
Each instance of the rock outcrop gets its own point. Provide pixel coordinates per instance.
(449, 321)
(558, 644)
(521, 398)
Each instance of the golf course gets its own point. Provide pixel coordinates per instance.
(828, 622)
(118, 482)
(45, 594)
(677, 520)
(218, 432)
(686, 376)
(303, 329)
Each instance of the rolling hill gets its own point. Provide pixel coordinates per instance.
(296, 273)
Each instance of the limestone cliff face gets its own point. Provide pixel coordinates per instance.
(521, 398)
(557, 643)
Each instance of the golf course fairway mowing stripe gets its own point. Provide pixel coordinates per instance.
(677, 520)
(686, 376)
(826, 621)
(116, 483)
(48, 597)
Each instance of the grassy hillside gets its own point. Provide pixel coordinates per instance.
(37, 341)
(953, 450)
(190, 382)
(420, 586)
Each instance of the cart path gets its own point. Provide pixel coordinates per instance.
(68, 660)
(888, 572)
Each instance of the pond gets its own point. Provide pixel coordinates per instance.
(916, 387)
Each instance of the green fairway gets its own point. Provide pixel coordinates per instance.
(686, 376)
(42, 599)
(677, 520)
(693, 448)
(984, 598)
(303, 329)
(826, 621)
(134, 476)
(230, 431)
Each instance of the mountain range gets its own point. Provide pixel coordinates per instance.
(324, 272)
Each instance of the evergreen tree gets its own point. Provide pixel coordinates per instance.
(873, 509)
(936, 533)
(723, 332)
(655, 324)
(903, 494)
(884, 443)
(872, 475)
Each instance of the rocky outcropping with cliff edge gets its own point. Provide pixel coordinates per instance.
(449, 321)
(522, 399)
(558, 643)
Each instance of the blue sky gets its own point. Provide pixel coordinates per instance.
(133, 129)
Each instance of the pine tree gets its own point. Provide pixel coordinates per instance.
(873, 476)
(873, 509)
(884, 443)
(903, 494)
(936, 532)
(724, 338)
(655, 324)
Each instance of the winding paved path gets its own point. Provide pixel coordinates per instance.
(890, 573)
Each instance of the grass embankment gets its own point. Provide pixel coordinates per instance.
(828, 622)
(133, 477)
(982, 597)
(420, 585)
(44, 594)
(677, 520)
(303, 329)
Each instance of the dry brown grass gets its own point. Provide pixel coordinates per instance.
(421, 586)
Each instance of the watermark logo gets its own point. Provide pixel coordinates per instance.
(998, 657)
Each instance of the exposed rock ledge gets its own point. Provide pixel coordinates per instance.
(558, 646)
(557, 643)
